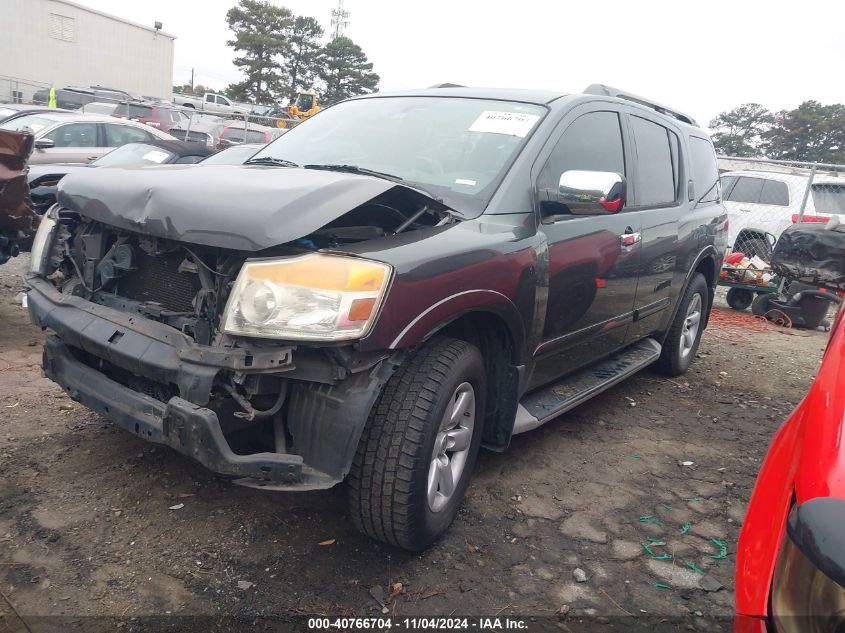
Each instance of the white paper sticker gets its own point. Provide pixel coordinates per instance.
(464, 181)
(510, 123)
(155, 156)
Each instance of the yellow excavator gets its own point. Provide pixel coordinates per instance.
(305, 105)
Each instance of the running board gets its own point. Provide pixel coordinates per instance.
(540, 406)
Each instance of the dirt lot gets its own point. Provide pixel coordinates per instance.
(88, 524)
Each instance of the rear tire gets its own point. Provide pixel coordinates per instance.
(761, 304)
(410, 450)
(681, 343)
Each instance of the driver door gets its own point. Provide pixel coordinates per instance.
(592, 257)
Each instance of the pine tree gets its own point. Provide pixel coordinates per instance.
(303, 60)
(345, 71)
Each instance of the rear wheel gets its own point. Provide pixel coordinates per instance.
(418, 450)
(762, 304)
(681, 343)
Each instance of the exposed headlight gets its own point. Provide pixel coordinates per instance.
(43, 243)
(314, 297)
(807, 596)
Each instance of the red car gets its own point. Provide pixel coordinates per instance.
(790, 572)
(156, 115)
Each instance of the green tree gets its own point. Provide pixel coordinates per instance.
(303, 59)
(345, 71)
(811, 132)
(741, 131)
(260, 30)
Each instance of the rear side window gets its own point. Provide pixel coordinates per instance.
(775, 192)
(74, 135)
(746, 189)
(118, 135)
(705, 173)
(656, 175)
(133, 111)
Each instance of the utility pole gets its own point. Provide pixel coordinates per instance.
(340, 19)
(192, 79)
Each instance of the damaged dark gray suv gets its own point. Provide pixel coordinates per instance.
(384, 289)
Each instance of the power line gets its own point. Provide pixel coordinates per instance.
(340, 20)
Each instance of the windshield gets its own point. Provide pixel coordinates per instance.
(31, 121)
(235, 155)
(458, 149)
(135, 154)
(304, 102)
(829, 197)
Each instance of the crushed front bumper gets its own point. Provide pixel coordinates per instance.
(324, 418)
(186, 427)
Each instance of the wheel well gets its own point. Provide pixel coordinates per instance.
(491, 335)
(750, 234)
(707, 267)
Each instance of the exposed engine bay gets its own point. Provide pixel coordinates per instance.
(186, 287)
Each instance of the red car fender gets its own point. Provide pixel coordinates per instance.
(807, 459)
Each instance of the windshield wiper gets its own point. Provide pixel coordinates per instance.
(270, 160)
(354, 169)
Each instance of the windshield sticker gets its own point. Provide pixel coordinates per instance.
(155, 156)
(464, 181)
(510, 123)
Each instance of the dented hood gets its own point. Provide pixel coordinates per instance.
(243, 207)
(16, 213)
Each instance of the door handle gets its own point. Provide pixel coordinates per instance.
(630, 239)
(92, 158)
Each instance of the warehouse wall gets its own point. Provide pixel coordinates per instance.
(61, 43)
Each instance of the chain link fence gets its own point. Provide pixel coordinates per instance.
(17, 90)
(763, 198)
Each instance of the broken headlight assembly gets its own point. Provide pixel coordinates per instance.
(314, 297)
(808, 593)
(42, 243)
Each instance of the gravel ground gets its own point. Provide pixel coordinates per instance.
(552, 527)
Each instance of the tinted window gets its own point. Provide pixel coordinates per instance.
(705, 172)
(117, 135)
(655, 176)
(133, 111)
(727, 183)
(209, 98)
(593, 142)
(74, 135)
(775, 192)
(746, 190)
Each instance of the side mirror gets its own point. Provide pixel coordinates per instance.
(592, 192)
(45, 143)
(815, 527)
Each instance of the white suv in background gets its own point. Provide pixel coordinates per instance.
(763, 203)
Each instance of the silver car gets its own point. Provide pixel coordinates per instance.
(79, 138)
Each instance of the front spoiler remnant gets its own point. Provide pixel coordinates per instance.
(186, 427)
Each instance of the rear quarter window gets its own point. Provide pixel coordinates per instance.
(775, 192)
(747, 190)
(705, 172)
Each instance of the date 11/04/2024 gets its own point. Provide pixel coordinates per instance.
(416, 623)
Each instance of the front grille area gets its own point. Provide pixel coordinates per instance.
(157, 278)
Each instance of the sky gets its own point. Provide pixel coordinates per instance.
(698, 56)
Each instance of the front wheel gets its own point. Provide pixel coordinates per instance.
(684, 335)
(418, 450)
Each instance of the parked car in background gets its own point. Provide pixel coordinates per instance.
(44, 179)
(16, 216)
(98, 107)
(762, 204)
(205, 132)
(210, 102)
(74, 98)
(790, 561)
(234, 155)
(9, 111)
(235, 132)
(156, 114)
(377, 294)
(79, 138)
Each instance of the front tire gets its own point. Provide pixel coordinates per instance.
(684, 335)
(419, 447)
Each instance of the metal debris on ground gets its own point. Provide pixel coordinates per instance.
(685, 528)
(656, 543)
(650, 519)
(666, 506)
(659, 585)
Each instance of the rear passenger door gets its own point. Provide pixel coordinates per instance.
(72, 143)
(118, 135)
(655, 195)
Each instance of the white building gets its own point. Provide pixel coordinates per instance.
(61, 43)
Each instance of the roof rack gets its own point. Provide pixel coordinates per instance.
(447, 85)
(609, 91)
